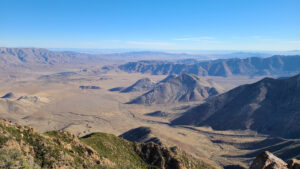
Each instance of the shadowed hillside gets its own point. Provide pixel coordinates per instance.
(270, 106)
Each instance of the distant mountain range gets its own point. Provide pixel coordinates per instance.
(178, 88)
(252, 66)
(31, 58)
(270, 106)
(35, 56)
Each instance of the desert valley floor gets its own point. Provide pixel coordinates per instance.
(53, 100)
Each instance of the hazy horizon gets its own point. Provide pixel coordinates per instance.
(152, 25)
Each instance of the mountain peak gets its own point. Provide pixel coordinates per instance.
(268, 106)
(178, 88)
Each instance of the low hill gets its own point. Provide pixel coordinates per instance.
(178, 88)
(23, 147)
(8, 96)
(141, 85)
(270, 106)
(252, 66)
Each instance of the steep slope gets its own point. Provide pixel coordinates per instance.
(284, 148)
(270, 106)
(178, 88)
(267, 160)
(141, 155)
(141, 85)
(23, 147)
(252, 66)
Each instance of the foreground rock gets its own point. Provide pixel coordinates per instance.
(294, 164)
(23, 147)
(267, 160)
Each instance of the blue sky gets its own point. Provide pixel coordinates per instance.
(151, 24)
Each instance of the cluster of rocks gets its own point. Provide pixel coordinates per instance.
(267, 160)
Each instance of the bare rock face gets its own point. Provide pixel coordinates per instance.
(161, 157)
(294, 164)
(267, 160)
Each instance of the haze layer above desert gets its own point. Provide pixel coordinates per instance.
(48, 93)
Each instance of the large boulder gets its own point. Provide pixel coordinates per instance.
(294, 164)
(267, 160)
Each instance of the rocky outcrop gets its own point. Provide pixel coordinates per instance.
(161, 157)
(267, 160)
(57, 149)
(23, 147)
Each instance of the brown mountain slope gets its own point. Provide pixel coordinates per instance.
(141, 85)
(18, 56)
(178, 88)
(270, 106)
